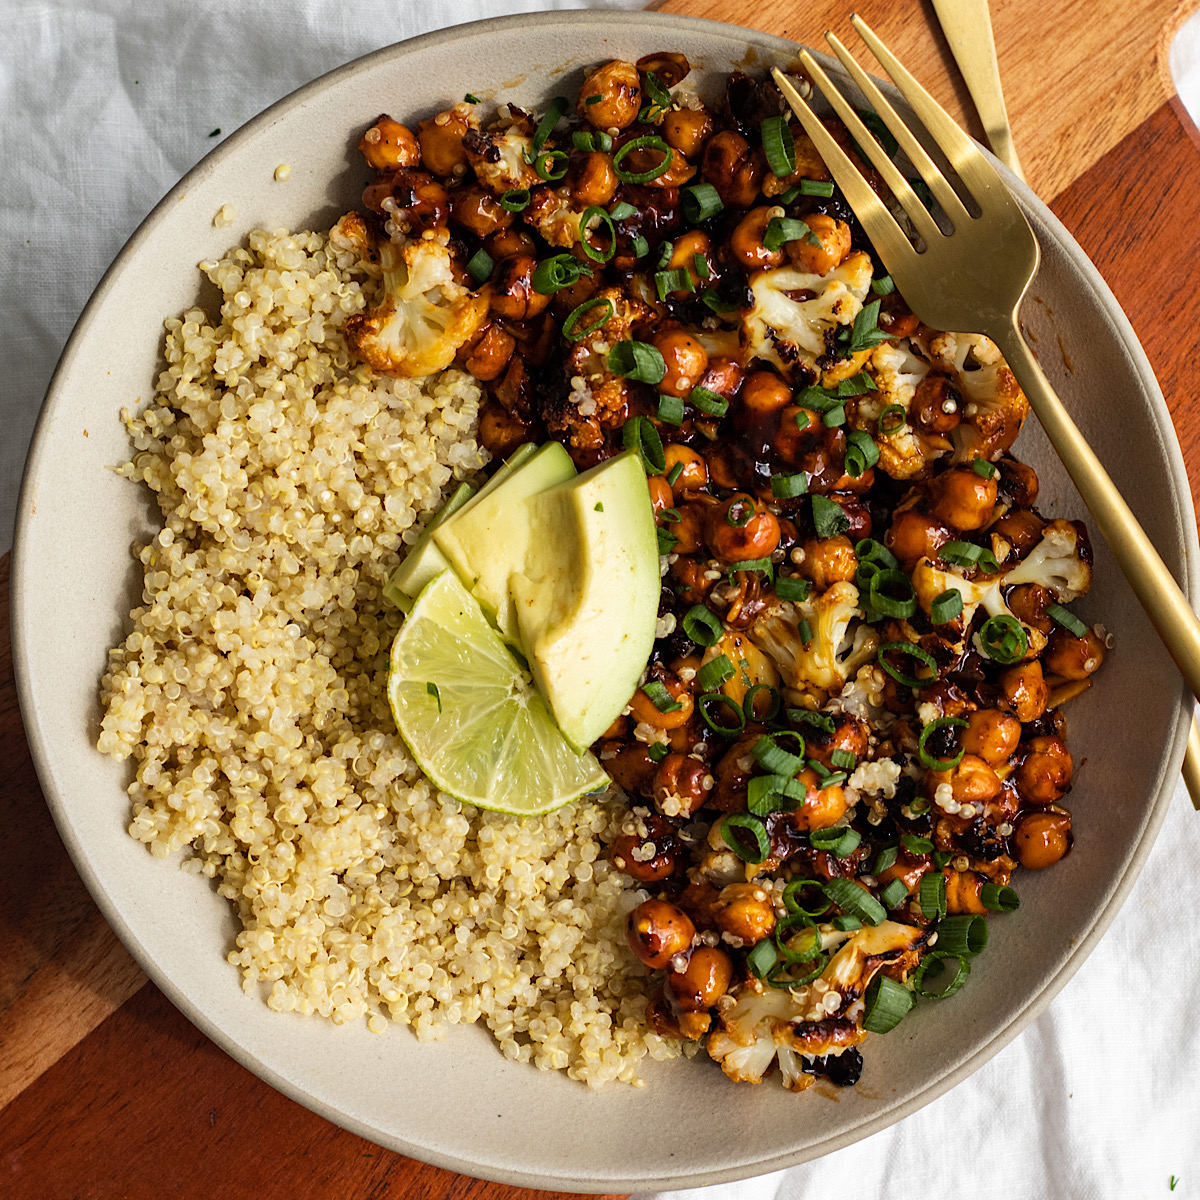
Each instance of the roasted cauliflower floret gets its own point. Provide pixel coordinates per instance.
(1061, 562)
(832, 656)
(551, 213)
(501, 159)
(795, 315)
(897, 371)
(422, 315)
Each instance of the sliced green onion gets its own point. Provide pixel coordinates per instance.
(745, 823)
(793, 905)
(921, 655)
(643, 143)
(776, 702)
(804, 630)
(885, 1004)
(637, 360)
(885, 858)
(998, 898)
(708, 402)
(658, 751)
(932, 895)
(1003, 639)
(665, 251)
(666, 541)
(803, 420)
(700, 201)
(941, 858)
(869, 550)
(677, 279)
(782, 981)
(674, 473)
(639, 246)
(816, 187)
(739, 513)
(899, 607)
(843, 760)
(865, 332)
(595, 212)
(703, 627)
(962, 936)
(892, 420)
(894, 895)
(828, 517)
(1067, 619)
(773, 793)
(480, 265)
(883, 286)
(622, 211)
(719, 306)
(946, 606)
(432, 690)
(762, 958)
(471, 98)
(554, 114)
(915, 844)
(719, 700)
(593, 99)
(771, 756)
(788, 487)
(927, 759)
(558, 271)
(670, 411)
(846, 923)
(835, 418)
(672, 515)
(715, 672)
(983, 468)
(515, 199)
(857, 385)
(805, 716)
(638, 433)
(572, 329)
(779, 145)
(788, 229)
(810, 946)
(843, 846)
(960, 975)
(701, 264)
(862, 454)
(656, 690)
(788, 587)
(658, 92)
(967, 554)
(544, 165)
(851, 898)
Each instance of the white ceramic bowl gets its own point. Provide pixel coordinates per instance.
(459, 1103)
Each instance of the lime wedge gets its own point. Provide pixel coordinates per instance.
(471, 716)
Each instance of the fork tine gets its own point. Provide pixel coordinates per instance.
(945, 195)
(884, 230)
(964, 156)
(901, 188)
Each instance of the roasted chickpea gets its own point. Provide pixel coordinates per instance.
(630, 765)
(686, 130)
(914, 536)
(972, 782)
(441, 141)
(1072, 657)
(681, 785)
(746, 242)
(592, 179)
(763, 395)
(1019, 482)
(1042, 838)
(850, 733)
(507, 243)
(693, 474)
(963, 499)
(513, 295)
(963, 892)
(744, 910)
(823, 806)
(909, 873)
(660, 493)
(669, 66)
(627, 855)
(685, 358)
(834, 238)
(657, 930)
(692, 584)
(1025, 691)
(738, 530)
(991, 735)
(476, 209)
(489, 354)
(733, 169)
(500, 432)
(644, 710)
(689, 529)
(684, 250)
(936, 405)
(389, 144)
(1044, 775)
(419, 201)
(619, 87)
(1028, 602)
(896, 319)
(703, 981)
(1020, 528)
(723, 377)
(828, 561)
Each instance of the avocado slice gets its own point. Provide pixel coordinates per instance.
(424, 560)
(586, 599)
(490, 538)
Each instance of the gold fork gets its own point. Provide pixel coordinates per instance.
(974, 279)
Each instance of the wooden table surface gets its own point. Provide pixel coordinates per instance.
(106, 1091)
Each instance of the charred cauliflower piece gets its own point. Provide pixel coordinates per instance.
(422, 316)
(832, 656)
(500, 158)
(795, 314)
(551, 213)
(897, 371)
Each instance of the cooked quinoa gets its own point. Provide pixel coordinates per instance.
(250, 693)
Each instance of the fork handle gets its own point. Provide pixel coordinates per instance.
(1161, 597)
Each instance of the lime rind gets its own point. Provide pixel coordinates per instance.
(493, 744)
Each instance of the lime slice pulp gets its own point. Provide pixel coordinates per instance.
(471, 716)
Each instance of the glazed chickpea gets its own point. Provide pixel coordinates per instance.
(685, 358)
(991, 735)
(420, 200)
(733, 169)
(737, 530)
(746, 241)
(964, 890)
(1044, 775)
(389, 144)
(513, 295)
(723, 377)
(657, 930)
(491, 352)
(477, 210)
(744, 910)
(441, 141)
(684, 250)
(630, 765)
(1028, 602)
(763, 395)
(963, 499)
(829, 561)
(909, 873)
(660, 493)
(619, 87)
(822, 807)
(628, 853)
(1072, 657)
(972, 782)
(850, 733)
(692, 584)
(1020, 528)
(500, 433)
(507, 243)
(896, 319)
(936, 405)
(1019, 482)
(693, 474)
(834, 238)
(689, 529)
(1042, 838)
(914, 536)
(1025, 691)
(592, 178)
(645, 711)
(703, 981)
(686, 130)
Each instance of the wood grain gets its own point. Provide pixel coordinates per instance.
(1071, 96)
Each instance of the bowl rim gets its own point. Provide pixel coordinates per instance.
(41, 745)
